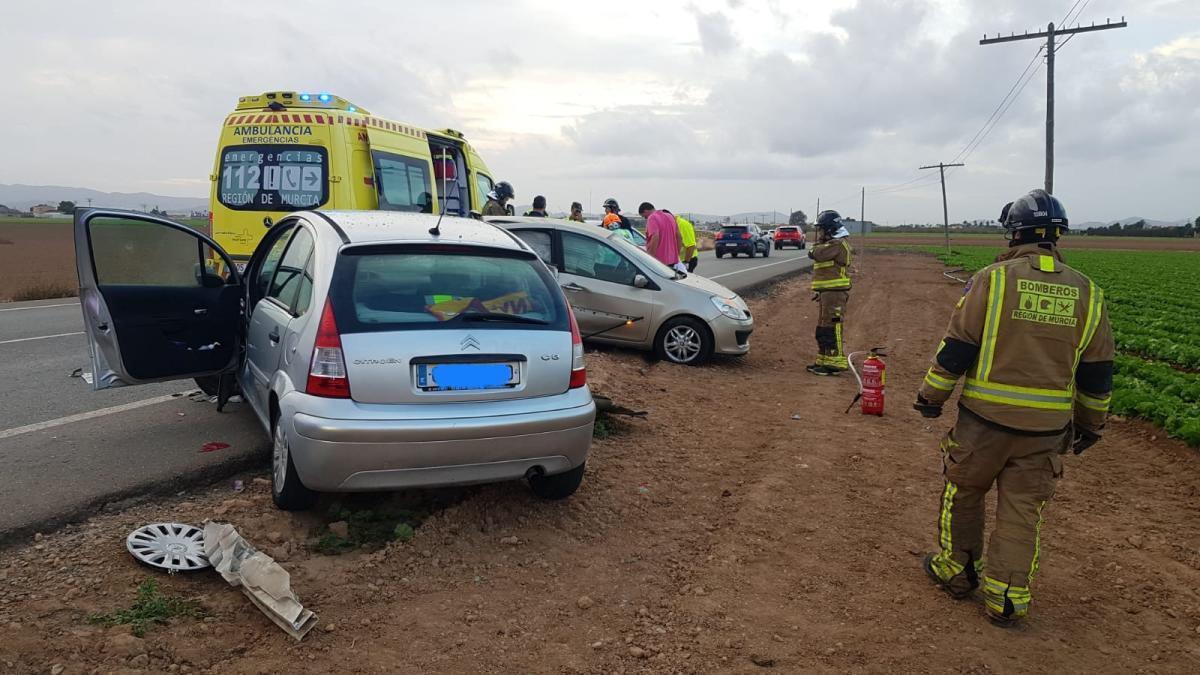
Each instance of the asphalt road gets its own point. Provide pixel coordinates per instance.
(66, 450)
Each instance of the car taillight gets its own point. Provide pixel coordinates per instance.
(746, 236)
(327, 375)
(578, 369)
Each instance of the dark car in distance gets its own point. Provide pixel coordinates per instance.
(747, 239)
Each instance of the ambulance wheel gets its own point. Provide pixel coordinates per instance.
(209, 384)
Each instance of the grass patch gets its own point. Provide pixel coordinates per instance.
(150, 607)
(45, 290)
(370, 528)
(604, 427)
(608, 426)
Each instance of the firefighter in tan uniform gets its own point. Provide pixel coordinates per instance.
(1032, 338)
(498, 198)
(831, 283)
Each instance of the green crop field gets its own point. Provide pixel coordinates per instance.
(1153, 301)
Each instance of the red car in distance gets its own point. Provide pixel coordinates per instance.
(790, 235)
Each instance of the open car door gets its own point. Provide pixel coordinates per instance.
(160, 300)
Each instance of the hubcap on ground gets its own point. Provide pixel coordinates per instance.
(279, 459)
(682, 344)
(175, 547)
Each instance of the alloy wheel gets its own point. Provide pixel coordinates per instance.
(279, 459)
(682, 344)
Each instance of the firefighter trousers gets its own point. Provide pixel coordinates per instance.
(1024, 470)
(829, 329)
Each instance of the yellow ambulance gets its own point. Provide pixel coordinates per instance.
(285, 151)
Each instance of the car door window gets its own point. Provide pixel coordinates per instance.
(402, 183)
(270, 263)
(541, 243)
(128, 252)
(289, 276)
(587, 257)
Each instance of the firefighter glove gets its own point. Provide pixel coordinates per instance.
(1084, 439)
(927, 409)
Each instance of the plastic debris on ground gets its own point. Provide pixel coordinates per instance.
(268, 585)
(213, 446)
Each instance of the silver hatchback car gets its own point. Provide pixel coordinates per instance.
(378, 350)
(622, 295)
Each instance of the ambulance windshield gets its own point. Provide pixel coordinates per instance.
(273, 177)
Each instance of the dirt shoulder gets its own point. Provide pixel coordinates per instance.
(717, 534)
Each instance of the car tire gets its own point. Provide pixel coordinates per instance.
(803, 246)
(558, 486)
(720, 255)
(767, 252)
(288, 493)
(753, 250)
(684, 340)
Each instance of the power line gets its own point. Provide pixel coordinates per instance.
(1049, 34)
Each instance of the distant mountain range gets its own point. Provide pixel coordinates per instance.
(1131, 220)
(22, 197)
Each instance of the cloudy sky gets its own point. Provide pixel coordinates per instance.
(715, 106)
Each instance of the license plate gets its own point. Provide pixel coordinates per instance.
(467, 376)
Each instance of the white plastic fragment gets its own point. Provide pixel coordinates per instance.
(268, 585)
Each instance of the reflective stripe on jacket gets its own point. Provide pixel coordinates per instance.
(831, 266)
(1018, 335)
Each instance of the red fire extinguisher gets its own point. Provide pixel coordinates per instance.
(871, 382)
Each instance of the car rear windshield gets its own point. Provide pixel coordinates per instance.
(734, 230)
(273, 177)
(394, 287)
(789, 229)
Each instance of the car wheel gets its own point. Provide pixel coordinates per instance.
(803, 246)
(286, 489)
(766, 251)
(720, 255)
(684, 340)
(558, 486)
(753, 250)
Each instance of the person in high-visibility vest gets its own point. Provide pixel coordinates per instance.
(1032, 338)
(831, 283)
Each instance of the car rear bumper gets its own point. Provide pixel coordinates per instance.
(351, 453)
(734, 247)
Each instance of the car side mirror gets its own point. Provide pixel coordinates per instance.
(640, 281)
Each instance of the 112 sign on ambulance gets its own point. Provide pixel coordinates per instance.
(286, 151)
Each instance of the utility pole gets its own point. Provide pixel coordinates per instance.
(945, 211)
(862, 218)
(1049, 34)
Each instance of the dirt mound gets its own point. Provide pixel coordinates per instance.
(719, 534)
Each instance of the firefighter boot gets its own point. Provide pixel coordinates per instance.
(959, 586)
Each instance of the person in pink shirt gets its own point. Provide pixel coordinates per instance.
(662, 235)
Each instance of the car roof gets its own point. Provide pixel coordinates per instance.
(593, 229)
(402, 226)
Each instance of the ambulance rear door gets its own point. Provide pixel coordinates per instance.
(269, 165)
